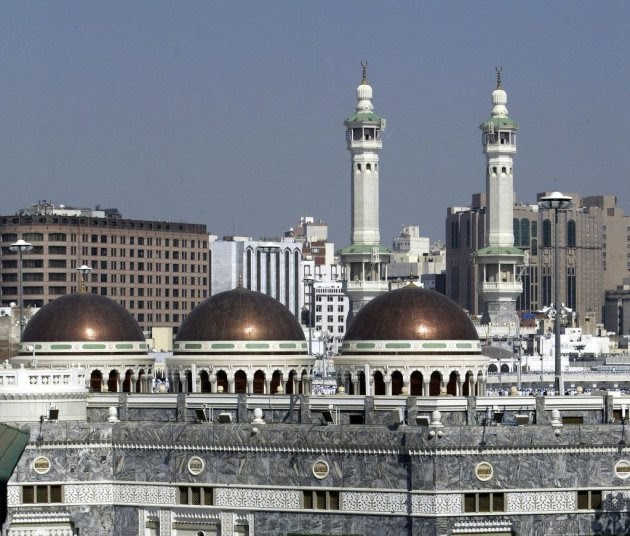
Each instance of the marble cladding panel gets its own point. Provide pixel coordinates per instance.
(97, 414)
(93, 520)
(125, 521)
(152, 414)
(273, 524)
(144, 465)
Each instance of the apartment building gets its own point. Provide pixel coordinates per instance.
(157, 270)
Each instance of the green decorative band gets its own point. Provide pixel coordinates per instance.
(83, 347)
(240, 347)
(219, 346)
(412, 347)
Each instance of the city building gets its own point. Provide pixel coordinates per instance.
(273, 267)
(365, 260)
(158, 270)
(414, 257)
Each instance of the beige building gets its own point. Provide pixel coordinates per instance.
(157, 270)
(594, 251)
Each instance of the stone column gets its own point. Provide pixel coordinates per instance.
(425, 386)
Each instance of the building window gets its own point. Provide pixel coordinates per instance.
(320, 500)
(195, 495)
(524, 232)
(484, 502)
(589, 500)
(546, 233)
(571, 233)
(42, 494)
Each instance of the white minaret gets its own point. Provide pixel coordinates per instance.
(365, 260)
(498, 262)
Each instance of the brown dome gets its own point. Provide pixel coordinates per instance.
(240, 315)
(411, 313)
(82, 317)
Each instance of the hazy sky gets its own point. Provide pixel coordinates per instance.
(231, 113)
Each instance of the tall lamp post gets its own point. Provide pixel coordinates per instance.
(21, 247)
(557, 202)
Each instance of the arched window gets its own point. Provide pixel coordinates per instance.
(397, 382)
(435, 384)
(259, 382)
(534, 249)
(205, 382)
(276, 381)
(112, 382)
(361, 378)
(96, 381)
(546, 233)
(534, 229)
(240, 382)
(466, 386)
(415, 384)
(524, 233)
(126, 387)
(517, 231)
(451, 386)
(222, 380)
(571, 233)
(379, 384)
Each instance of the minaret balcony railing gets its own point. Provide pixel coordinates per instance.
(500, 148)
(365, 144)
(503, 286)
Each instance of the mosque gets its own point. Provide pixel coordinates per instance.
(238, 443)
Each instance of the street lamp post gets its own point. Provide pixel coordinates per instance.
(556, 202)
(21, 247)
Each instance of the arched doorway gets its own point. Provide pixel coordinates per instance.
(466, 386)
(361, 379)
(276, 381)
(240, 382)
(126, 386)
(204, 379)
(96, 381)
(435, 384)
(397, 382)
(112, 382)
(289, 389)
(140, 381)
(259, 382)
(415, 383)
(451, 386)
(222, 380)
(379, 383)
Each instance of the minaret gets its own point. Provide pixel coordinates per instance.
(498, 262)
(365, 261)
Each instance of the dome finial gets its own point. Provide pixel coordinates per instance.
(499, 69)
(364, 72)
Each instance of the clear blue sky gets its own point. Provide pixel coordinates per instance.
(231, 113)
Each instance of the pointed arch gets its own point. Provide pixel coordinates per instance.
(204, 380)
(451, 386)
(415, 383)
(240, 382)
(276, 381)
(397, 382)
(112, 381)
(96, 381)
(379, 383)
(435, 383)
(222, 380)
(259, 382)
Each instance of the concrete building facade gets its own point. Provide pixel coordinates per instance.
(158, 270)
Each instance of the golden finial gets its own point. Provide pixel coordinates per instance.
(364, 70)
(498, 69)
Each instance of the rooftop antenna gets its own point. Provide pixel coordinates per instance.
(364, 72)
(498, 70)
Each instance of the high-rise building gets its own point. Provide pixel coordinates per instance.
(586, 267)
(497, 262)
(157, 270)
(365, 260)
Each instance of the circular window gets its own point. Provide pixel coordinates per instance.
(196, 465)
(484, 471)
(622, 469)
(41, 465)
(320, 469)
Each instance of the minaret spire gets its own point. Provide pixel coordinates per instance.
(364, 71)
(499, 69)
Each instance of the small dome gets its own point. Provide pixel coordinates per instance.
(239, 315)
(83, 318)
(412, 313)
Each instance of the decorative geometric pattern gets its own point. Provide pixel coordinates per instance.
(443, 503)
(13, 495)
(414, 346)
(256, 498)
(119, 493)
(392, 503)
(541, 501)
